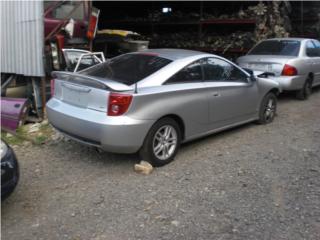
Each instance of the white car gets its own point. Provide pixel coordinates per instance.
(293, 62)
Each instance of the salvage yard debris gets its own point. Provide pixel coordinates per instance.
(269, 20)
(143, 167)
(38, 133)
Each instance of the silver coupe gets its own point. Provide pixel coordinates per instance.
(293, 62)
(152, 101)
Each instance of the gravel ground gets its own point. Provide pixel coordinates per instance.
(252, 182)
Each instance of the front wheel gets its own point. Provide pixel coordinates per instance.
(162, 142)
(268, 109)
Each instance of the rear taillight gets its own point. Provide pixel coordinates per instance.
(118, 103)
(289, 70)
(52, 87)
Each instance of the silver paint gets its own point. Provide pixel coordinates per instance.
(202, 107)
(305, 65)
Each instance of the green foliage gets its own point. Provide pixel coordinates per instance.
(22, 134)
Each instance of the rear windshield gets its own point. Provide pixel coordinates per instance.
(128, 68)
(276, 47)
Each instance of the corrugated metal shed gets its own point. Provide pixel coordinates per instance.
(22, 37)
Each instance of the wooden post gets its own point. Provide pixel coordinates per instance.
(43, 97)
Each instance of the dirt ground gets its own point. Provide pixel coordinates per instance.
(252, 182)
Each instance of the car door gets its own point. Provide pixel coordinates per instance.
(186, 94)
(72, 57)
(316, 62)
(231, 94)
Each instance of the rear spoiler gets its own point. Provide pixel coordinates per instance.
(101, 83)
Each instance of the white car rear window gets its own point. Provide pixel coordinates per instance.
(277, 47)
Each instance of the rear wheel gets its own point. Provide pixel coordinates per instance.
(162, 142)
(268, 109)
(305, 92)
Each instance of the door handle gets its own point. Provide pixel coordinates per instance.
(216, 94)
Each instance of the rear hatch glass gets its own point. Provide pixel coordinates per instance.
(129, 68)
(277, 47)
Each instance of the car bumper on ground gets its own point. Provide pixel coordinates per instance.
(119, 134)
(9, 173)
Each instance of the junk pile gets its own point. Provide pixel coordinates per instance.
(113, 42)
(269, 19)
(308, 22)
(237, 40)
(272, 20)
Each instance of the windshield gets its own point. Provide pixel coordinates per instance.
(128, 68)
(276, 47)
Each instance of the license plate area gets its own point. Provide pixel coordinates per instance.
(260, 67)
(75, 97)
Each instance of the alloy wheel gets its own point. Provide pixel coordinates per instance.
(165, 142)
(270, 110)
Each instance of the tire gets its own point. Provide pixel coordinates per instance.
(162, 142)
(268, 108)
(305, 92)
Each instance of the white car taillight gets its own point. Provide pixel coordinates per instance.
(289, 70)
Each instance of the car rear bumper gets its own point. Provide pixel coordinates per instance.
(288, 83)
(113, 134)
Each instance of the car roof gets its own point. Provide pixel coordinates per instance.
(172, 53)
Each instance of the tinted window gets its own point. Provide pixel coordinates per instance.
(312, 50)
(316, 43)
(47, 4)
(64, 10)
(128, 68)
(190, 73)
(276, 47)
(218, 70)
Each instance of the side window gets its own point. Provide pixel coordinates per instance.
(190, 73)
(219, 70)
(64, 10)
(317, 45)
(311, 49)
(87, 61)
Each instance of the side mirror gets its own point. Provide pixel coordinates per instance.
(252, 77)
(248, 71)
